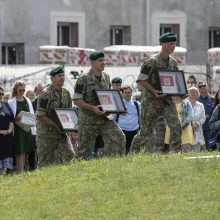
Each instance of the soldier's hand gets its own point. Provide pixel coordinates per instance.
(158, 94)
(97, 110)
(62, 132)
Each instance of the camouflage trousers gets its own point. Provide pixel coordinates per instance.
(111, 133)
(54, 150)
(151, 110)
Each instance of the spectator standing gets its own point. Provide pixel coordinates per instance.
(6, 139)
(32, 156)
(22, 138)
(215, 102)
(207, 101)
(184, 110)
(31, 95)
(198, 118)
(214, 124)
(155, 104)
(129, 122)
(53, 146)
(92, 121)
(37, 90)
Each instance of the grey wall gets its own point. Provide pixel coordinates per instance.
(28, 21)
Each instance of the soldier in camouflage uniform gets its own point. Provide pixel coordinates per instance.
(53, 146)
(155, 104)
(92, 121)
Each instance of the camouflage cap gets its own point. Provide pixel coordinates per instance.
(56, 70)
(168, 37)
(97, 54)
(116, 80)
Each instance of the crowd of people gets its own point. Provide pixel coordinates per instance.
(181, 122)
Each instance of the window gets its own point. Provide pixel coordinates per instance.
(120, 35)
(164, 28)
(12, 53)
(214, 37)
(168, 21)
(76, 21)
(67, 34)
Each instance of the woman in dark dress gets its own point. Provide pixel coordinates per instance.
(6, 141)
(22, 138)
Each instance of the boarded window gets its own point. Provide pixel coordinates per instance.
(214, 37)
(67, 34)
(120, 35)
(164, 28)
(12, 53)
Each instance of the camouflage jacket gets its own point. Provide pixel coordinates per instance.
(149, 68)
(47, 101)
(84, 89)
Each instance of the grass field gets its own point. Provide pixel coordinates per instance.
(133, 187)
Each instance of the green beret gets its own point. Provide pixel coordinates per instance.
(168, 37)
(56, 70)
(97, 54)
(116, 80)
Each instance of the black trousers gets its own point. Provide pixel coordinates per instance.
(32, 156)
(129, 135)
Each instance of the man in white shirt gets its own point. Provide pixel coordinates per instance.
(129, 122)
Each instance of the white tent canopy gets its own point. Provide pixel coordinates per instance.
(141, 48)
(214, 56)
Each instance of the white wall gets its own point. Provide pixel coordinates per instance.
(32, 22)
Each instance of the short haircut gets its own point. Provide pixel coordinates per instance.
(193, 88)
(202, 82)
(125, 87)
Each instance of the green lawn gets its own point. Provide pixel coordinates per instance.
(133, 187)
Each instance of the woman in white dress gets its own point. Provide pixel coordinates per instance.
(198, 119)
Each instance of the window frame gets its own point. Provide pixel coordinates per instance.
(60, 35)
(113, 30)
(161, 17)
(211, 36)
(71, 17)
(5, 55)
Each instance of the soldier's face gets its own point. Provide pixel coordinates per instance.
(116, 86)
(58, 79)
(169, 47)
(98, 64)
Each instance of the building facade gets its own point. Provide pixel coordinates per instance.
(25, 25)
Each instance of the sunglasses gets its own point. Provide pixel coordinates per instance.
(203, 86)
(21, 90)
(1, 93)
